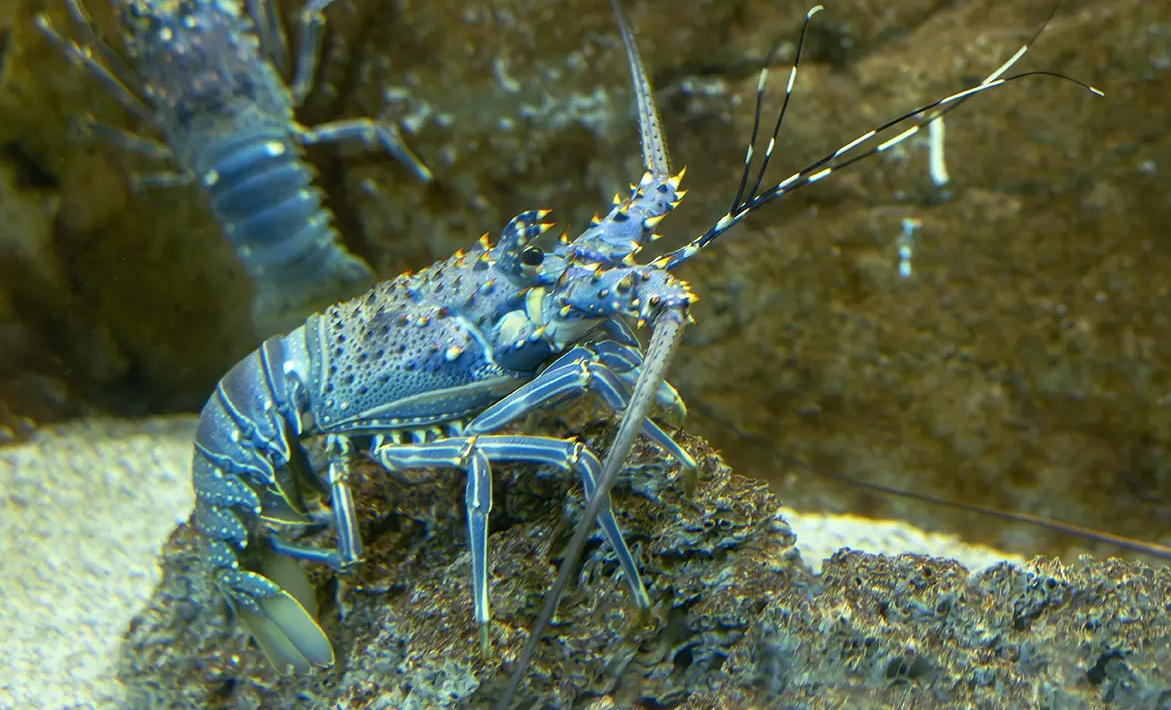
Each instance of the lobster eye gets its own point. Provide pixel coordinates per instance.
(532, 256)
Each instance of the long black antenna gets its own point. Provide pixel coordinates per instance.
(826, 166)
(760, 84)
(835, 161)
(1154, 549)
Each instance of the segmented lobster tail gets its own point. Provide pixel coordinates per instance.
(262, 193)
(245, 468)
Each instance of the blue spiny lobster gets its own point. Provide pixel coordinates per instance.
(211, 84)
(424, 369)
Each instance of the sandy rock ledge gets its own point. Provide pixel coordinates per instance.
(740, 622)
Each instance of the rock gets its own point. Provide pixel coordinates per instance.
(880, 632)
(739, 620)
(408, 610)
(34, 380)
(72, 582)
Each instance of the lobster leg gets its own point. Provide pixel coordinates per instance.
(344, 518)
(142, 182)
(109, 66)
(627, 363)
(363, 130)
(306, 553)
(369, 133)
(474, 455)
(349, 539)
(667, 396)
(308, 47)
(266, 14)
(601, 368)
(84, 56)
(126, 140)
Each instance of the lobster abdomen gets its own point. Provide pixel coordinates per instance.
(244, 469)
(262, 194)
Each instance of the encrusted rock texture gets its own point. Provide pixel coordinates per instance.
(1022, 365)
(739, 621)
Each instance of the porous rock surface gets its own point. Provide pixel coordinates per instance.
(1022, 365)
(85, 507)
(739, 621)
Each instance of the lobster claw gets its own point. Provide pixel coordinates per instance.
(280, 614)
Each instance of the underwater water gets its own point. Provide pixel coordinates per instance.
(975, 314)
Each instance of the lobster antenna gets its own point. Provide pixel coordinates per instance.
(824, 167)
(654, 142)
(1126, 543)
(1153, 549)
(668, 328)
(760, 85)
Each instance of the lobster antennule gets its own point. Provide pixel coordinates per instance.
(654, 143)
(834, 161)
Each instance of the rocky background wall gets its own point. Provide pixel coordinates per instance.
(1023, 364)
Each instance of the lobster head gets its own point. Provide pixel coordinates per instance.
(573, 287)
(193, 56)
